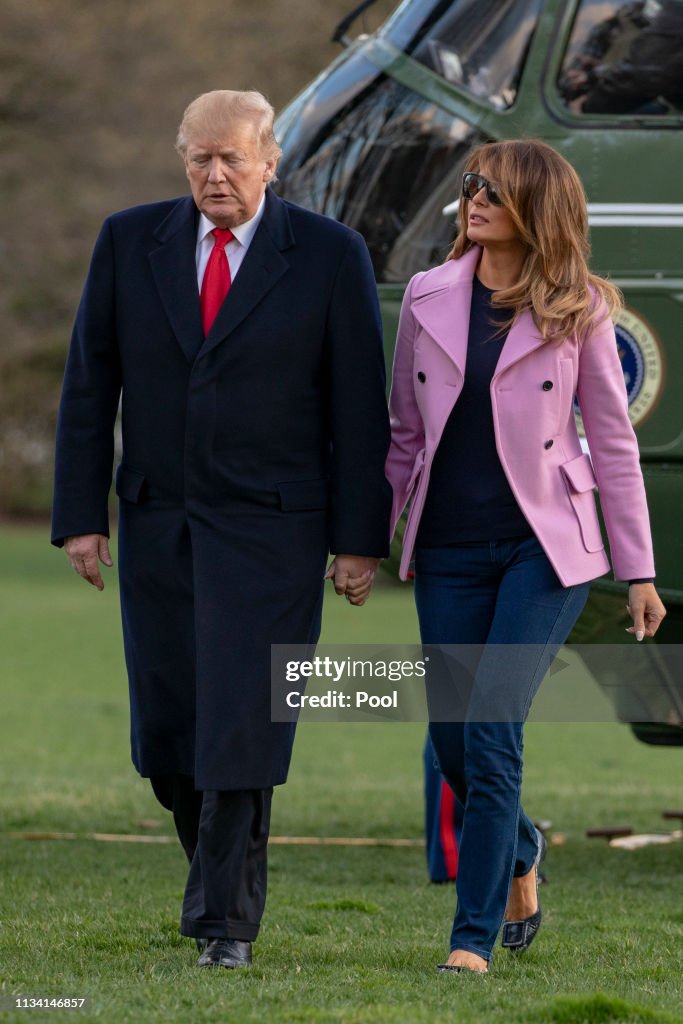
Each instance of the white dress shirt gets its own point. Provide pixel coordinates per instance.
(235, 250)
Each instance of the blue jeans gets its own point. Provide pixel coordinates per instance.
(497, 592)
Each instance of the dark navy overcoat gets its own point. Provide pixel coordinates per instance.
(248, 455)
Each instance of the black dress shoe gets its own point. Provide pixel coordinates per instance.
(518, 935)
(225, 953)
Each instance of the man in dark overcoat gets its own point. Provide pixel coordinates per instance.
(242, 335)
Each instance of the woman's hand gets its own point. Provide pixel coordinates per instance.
(645, 608)
(353, 576)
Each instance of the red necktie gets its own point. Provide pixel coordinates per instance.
(216, 280)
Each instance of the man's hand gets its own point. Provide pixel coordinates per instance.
(645, 608)
(83, 553)
(353, 576)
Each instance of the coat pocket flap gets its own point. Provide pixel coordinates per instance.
(303, 495)
(129, 483)
(579, 473)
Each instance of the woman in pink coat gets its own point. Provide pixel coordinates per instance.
(492, 348)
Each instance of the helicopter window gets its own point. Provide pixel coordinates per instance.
(481, 46)
(625, 58)
(387, 165)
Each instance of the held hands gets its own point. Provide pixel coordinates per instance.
(645, 608)
(353, 576)
(83, 553)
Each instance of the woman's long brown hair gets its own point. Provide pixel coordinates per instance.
(544, 196)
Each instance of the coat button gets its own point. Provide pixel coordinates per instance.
(547, 385)
(421, 377)
(548, 444)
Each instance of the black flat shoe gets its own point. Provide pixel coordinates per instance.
(225, 953)
(458, 969)
(518, 935)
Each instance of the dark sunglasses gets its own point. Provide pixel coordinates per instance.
(473, 183)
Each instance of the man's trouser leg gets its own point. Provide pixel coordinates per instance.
(225, 836)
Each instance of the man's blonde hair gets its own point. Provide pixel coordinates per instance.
(211, 115)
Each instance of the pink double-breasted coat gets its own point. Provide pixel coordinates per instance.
(532, 395)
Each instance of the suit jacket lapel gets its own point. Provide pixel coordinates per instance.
(261, 268)
(175, 273)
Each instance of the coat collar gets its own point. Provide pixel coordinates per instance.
(261, 268)
(175, 273)
(441, 301)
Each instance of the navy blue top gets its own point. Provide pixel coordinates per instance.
(469, 498)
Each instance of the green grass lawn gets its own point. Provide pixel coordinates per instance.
(351, 934)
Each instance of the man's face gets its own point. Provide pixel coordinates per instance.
(228, 178)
